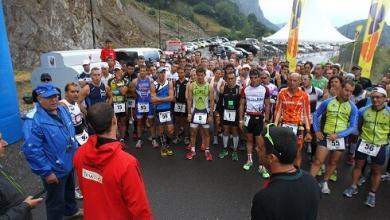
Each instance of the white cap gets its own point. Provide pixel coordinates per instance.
(86, 62)
(117, 66)
(104, 65)
(380, 90)
(246, 66)
(349, 76)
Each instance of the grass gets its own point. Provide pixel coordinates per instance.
(23, 86)
(209, 25)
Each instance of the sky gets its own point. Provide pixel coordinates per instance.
(340, 12)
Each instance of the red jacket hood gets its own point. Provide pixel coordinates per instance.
(99, 157)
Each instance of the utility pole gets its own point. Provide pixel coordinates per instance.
(159, 25)
(93, 26)
(178, 26)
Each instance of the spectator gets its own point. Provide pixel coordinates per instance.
(13, 203)
(49, 148)
(122, 193)
(290, 193)
(107, 51)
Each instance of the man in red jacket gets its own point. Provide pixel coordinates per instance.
(109, 178)
(107, 51)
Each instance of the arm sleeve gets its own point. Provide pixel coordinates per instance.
(135, 194)
(353, 121)
(318, 113)
(33, 151)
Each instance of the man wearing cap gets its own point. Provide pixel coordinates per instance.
(118, 87)
(162, 96)
(107, 51)
(365, 82)
(85, 76)
(45, 78)
(49, 148)
(374, 132)
(291, 193)
(106, 75)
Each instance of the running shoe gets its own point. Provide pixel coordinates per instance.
(385, 177)
(77, 193)
(333, 177)
(163, 151)
(155, 143)
(186, 141)
(208, 155)
(247, 166)
(362, 181)
(139, 144)
(169, 151)
(122, 140)
(350, 191)
(235, 156)
(188, 147)
(190, 155)
(223, 153)
(263, 171)
(321, 171)
(370, 201)
(325, 188)
(350, 161)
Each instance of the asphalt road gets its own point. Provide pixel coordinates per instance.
(220, 189)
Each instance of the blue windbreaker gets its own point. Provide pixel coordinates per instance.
(49, 145)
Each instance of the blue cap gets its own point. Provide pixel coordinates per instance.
(46, 90)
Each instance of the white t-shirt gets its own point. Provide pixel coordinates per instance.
(105, 79)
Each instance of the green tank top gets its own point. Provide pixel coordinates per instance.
(376, 125)
(200, 95)
(337, 116)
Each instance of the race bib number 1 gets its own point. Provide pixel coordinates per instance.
(200, 118)
(180, 107)
(338, 144)
(119, 107)
(164, 116)
(82, 138)
(143, 107)
(229, 115)
(369, 149)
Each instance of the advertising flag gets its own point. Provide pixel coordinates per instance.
(292, 46)
(373, 30)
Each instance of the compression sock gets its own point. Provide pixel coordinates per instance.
(235, 142)
(225, 140)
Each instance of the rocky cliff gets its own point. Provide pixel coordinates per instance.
(253, 7)
(36, 26)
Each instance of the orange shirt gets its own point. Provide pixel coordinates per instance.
(293, 107)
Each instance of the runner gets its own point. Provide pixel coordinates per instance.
(162, 95)
(180, 109)
(106, 75)
(140, 87)
(319, 81)
(118, 87)
(200, 103)
(293, 110)
(341, 120)
(85, 76)
(375, 130)
(228, 105)
(129, 76)
(217, 83)
(254, 108)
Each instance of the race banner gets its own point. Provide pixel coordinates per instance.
(375, 22)
(292, 46)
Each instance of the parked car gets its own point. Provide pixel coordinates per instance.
(190, 47)
(249, 47)
(243, 51)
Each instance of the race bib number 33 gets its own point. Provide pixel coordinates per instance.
(119, 107)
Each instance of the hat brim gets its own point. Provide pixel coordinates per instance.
(50, 93)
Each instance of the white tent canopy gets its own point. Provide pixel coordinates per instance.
(314, 28)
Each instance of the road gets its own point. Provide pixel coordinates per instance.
(221, 189)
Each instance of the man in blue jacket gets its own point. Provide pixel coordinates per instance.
(49, 148)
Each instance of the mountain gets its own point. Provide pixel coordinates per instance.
(253, 7)
(348, 30)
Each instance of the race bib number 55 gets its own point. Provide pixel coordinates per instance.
(338, 144)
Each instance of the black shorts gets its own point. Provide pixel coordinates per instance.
(380, 158)
(229, 122)
(177, 109)
(255, 125)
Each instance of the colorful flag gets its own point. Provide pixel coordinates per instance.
(292, 46)
(374, 26)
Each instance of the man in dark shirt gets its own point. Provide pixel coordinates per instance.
(291, 193)
(365, 82)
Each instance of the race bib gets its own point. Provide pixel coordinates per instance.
(369, 149)
(119, 107)
(143, 107)
(229, 115)
(78, 119)
(82, 138)
(200, 118)
(164, 116)
(131, 103)
(338, 144)
(246, 120)
(180, 107)
(293, 127)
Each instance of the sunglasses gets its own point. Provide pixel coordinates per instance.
(46, 80)
(268, 136)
